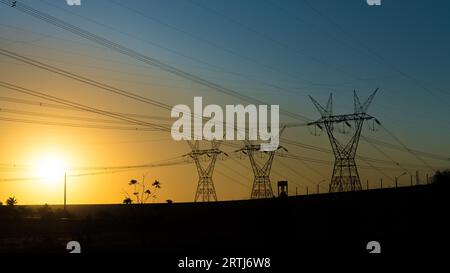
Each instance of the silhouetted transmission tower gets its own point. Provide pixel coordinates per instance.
(205, 188)
(262, 187)
(345, 175)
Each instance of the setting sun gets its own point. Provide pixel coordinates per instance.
(50, 168)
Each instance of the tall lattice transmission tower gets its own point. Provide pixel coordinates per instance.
(345, 175)
(205, 161)
(262, 187)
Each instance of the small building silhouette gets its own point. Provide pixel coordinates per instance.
(283, 189)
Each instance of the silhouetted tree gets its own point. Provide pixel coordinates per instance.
(442, 179)
(11, 201)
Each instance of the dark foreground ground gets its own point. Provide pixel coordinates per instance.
(410, 220)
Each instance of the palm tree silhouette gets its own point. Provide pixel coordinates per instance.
(11, 201)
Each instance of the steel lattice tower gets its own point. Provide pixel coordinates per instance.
(262, 188)
(205, 188)
(345, 175)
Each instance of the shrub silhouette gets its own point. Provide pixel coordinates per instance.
(441, 180)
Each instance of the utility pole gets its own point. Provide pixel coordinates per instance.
(65, 183)
(397, 177)
(345, 175)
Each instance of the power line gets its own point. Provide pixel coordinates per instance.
(248, 59)
(160, 163)
(379, 57)
(295, 172)
(389, 157)
(209, 65)
(378, 170)
(47, 115)
(309, 24)
(401, 148)
(80, 106)
(232, 179)
(196, 37)
(328, 151)
(91, 82)
(86, 108)
(269, 38)
(304, 159)
(106, 170)
(85, 80)
(408, 150)
(75, 125)
(40, 178)
(58, 106)
(236, 172)
(140, 57)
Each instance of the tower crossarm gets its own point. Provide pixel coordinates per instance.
(341, 118)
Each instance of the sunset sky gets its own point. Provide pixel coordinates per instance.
(276, 51)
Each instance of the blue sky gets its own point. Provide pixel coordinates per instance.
(308, 47)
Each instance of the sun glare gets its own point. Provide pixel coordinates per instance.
(50, 168)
